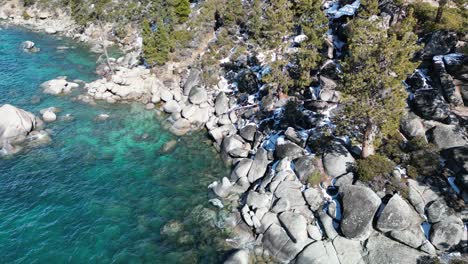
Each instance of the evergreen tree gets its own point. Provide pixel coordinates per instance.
(276, 27)
(233, 13)
(313, 24)
(182, 10)
(374, 96)
(255, 19)
(156, 45)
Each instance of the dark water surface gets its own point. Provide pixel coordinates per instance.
(100, 192)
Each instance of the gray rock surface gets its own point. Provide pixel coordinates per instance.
(437, 211)
(348, 251)
(172, 107)
(198, 95)
(411, 125)
(14, 123)
(384, 250)
(447, 233)
(58, 86)
(221, 104)
(429, 104)
(259, 165)
(240, 256)
(397, 215)
(295, 225)
(359, 207)
(446, 136)
(192, 80)
(337, 160)
(313, 198)
(303, 167)
(248, 132)
(287, 149)
(319, 252)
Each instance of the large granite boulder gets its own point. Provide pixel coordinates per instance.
(240, 256)
(192, 80)
(304, 167)
(411, 125)
(447, 136)
(439, 43)
(248, 131)
(314, 198)
(348, 251)
(58, 86)
(15, 123)
(359, 207)
(259, 165)
(397, 215)
(291, 191)
(337, 160)
(437, 211)
(384, 250)
(429, 104)
(447, 233)
(287, 149)
(221, 104)
(319, 252)
(198, 95)
(280, 245)
(295, 225)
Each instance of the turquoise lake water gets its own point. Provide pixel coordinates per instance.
(101, 191)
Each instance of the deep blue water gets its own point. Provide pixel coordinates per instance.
(100, 192)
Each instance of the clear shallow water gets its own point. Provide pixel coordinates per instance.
(101, 191)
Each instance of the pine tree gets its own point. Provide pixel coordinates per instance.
(255, 19)
(233, 13)
(276, 27)
(156, 45)
(277, 23)
(374, 96)
(182, 10)
(314, 24)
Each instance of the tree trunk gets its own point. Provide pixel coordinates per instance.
(440, 10)
(368, 141)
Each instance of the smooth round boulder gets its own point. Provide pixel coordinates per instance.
(447, 233)
(198, 95)
(172, 107)
(15, 122)
(337, 160)
(397, 215)
(49, 116)
(221, 104)
(295, 224)
(287, 149)
(359, 207)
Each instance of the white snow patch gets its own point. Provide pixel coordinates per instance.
(426, 228)
(451, 181)
(347, 10)
(300, 38)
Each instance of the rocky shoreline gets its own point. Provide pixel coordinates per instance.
(289, 202)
